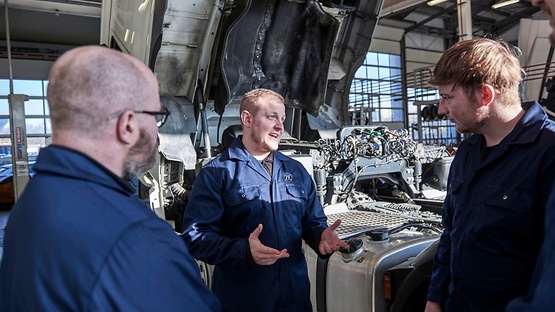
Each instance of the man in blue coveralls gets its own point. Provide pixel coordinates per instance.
(78, 239)
(249, 211)
(501, 182)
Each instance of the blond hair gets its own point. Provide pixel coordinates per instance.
(254, 99)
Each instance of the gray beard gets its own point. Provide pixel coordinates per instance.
(136, 163)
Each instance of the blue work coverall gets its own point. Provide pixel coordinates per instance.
(494, 217)
(78, 239)
(231, 196)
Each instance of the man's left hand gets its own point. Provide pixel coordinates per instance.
(329, 241)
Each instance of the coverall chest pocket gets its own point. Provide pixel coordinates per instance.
(507, 208)
(242, 195)
(294, 205)
(243, 210)
(503, 198)
(455, 195)
(455, 186)
(296, 192)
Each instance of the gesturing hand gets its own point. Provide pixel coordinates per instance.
(329, 241)
(262, 254)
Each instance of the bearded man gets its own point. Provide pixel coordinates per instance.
(78, 239)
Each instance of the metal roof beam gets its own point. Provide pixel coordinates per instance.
(79, 8)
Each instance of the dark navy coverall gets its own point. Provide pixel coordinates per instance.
(231, 196)
(494, 217)
(78, 239)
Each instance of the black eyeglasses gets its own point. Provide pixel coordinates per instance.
(161, 116)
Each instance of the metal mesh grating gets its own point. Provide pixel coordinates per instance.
(355, 222)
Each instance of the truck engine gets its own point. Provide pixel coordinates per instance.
(379, 182)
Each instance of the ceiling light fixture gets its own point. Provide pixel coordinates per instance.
(434, 2)
(503, 3)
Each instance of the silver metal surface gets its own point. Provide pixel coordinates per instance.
(358, 285)
(189, 34)
(175, 141)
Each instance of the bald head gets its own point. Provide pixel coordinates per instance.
(91, 84)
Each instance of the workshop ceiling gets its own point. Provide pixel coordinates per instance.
(55, 24)
(486, 21)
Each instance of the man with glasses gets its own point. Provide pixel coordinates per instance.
(78, 239)
(161, 116)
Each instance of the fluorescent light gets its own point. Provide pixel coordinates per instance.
(503, 3)
(434, 2)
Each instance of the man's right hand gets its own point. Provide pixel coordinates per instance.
(262, 254)
(433, 307)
